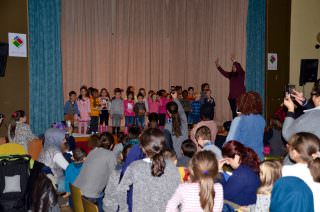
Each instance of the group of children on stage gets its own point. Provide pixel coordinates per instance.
(92, 109)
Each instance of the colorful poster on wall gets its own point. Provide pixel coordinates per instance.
(272, 61)
(17, 44)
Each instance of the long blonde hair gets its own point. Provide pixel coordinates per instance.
(203, 169)
(270, 171)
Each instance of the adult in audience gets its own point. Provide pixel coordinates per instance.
(52, 157)
(207, 115)
(291, 194)
(177, 124)
(236, 85)
(248, 127)
(96, 169)
(19, 131)
(241, 187)
(308, 122)
(204, 141)
(154, 179)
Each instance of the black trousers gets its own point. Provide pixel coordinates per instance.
(233, 107)
(94, 122)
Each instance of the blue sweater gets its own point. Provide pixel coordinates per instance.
(241, 187)
(248, 130)
(71, 174)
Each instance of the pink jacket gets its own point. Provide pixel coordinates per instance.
(153, 106)
(84, 108)
(128, 107)
(163, 104)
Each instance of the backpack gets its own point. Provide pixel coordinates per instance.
(14, 175)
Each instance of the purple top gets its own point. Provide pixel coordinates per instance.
(236, 85)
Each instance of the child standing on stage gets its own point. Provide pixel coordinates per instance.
(84, 108)
(116, 111)
(95, 111)
(105, 107)
(71, 111)
(194, 117)
(154, 104)
(163, 107)
(140, 111)
(128, 109)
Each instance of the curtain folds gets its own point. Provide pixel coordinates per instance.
(152, 44)
(256, 24)
(46, 96)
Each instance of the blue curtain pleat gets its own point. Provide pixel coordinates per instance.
(256, 25)
(46, 99)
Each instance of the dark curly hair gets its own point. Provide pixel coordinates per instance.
(249, 103)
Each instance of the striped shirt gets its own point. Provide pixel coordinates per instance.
(187, 195)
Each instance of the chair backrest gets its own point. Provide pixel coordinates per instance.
(89, 206)
(77, 205)
(34, 148)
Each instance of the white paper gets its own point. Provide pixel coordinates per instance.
(17, 44)
(272, 61)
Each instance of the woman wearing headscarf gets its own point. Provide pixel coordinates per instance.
(52, 157)
(291, 194)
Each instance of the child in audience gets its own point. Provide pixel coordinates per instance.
(71, 110)
(204, 141)
(117, 111)
(118, 148)
(105, 107)
(95, 111)
(202, 194)
(133, 135)
(185, 102)
(270, 172)
(188, 149)
(153, 177)
(194, 117)
(304, 149)
(140, 111)
(84, 108)
(128, 110)
(154, 104)
(19, 131)
(67, 148)
(170, 155)
(74, 168)
(274, 138)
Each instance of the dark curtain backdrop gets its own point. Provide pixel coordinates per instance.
(152, 44)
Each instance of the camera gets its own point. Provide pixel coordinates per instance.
(289, 89)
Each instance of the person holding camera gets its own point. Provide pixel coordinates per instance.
(309, 121)
(236, 85)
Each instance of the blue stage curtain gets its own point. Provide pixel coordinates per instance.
(46, 99)
(256, 24)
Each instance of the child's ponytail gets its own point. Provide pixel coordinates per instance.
(203, 169)
(158, 164)
(172, 107)
(206, 193)
(153, 145)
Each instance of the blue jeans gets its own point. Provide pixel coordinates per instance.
(129, 121)
(140, 121)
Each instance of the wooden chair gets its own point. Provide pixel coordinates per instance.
(89, 206)
(34, 148)
(77, 204)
